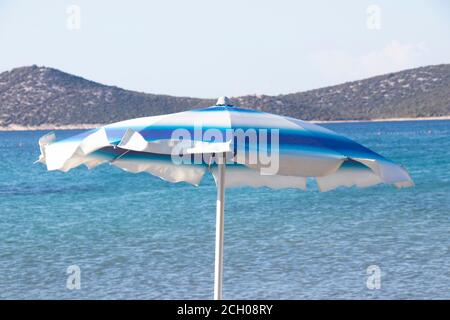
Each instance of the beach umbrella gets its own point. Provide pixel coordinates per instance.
(239, 147)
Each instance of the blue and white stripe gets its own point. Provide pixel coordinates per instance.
(305, 150)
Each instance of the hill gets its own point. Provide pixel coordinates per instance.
(37, 96)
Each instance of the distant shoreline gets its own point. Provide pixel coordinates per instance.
(14, 127)
(385, 120)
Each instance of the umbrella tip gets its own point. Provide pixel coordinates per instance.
(223, 101)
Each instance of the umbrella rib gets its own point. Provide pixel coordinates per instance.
(119, 156)
(210, 161)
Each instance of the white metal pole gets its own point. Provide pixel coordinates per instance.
(218, 270)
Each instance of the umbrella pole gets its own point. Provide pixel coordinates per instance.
(218, 269)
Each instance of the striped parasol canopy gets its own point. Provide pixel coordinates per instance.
(240, 147)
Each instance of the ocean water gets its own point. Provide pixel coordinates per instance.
(134, 236)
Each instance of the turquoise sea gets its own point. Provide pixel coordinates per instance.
(138, 237)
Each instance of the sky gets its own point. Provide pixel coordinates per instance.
(210, 48)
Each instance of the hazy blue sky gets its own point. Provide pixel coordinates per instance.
(210, 48)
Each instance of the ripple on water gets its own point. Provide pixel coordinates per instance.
(138, 237)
